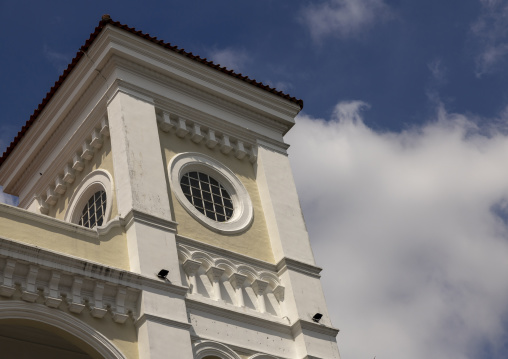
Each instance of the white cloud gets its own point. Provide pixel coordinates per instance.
(7, 198)
(491, 32)
(233, 59)
(411, 229)
(344, 18)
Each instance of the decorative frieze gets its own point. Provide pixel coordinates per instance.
(56, 288)
(184, 128)
(230, 281)
(75, 164)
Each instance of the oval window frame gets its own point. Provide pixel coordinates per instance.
(243, 212)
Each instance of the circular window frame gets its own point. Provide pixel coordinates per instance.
(93, 182)
(243, 212)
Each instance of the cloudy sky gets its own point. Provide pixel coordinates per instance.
(400, 154)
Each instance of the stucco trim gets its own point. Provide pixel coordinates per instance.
(63, 321)
(93, 182)
(192, 161)
(208, 347)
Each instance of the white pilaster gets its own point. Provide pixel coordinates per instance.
(303, 293)
(142, 196)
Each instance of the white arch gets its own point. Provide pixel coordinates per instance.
(204, 258)
(208, 347)
(262, 356)
(63, 321)
(94, 181)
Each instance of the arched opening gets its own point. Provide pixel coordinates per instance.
(30, 330)
(29, 339)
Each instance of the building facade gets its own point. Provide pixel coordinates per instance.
(157, 217)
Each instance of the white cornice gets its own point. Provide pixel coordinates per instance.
(313, 327)
(253, 126)
(190, 71)
(295, 265)
(79, 266)
(164, 321)
(188, 89)
(80, 99)
(150, 220)
(262, 320)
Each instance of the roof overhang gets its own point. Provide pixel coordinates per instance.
(96, 67)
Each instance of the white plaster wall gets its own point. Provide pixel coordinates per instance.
(242, 334)
(281, 207)
(137, 160)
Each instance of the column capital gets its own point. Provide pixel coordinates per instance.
(191, 266)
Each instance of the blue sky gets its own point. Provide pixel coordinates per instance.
(405, 119)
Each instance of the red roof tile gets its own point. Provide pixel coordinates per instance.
(106, 20)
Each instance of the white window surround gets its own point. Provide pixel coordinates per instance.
(95, 181)
(191, 161)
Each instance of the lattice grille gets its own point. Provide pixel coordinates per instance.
(207, 195)
(93, 213)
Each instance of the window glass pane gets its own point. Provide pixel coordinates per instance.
(196, 192)
(93, 212)
(186, 189)
(210, 214)
(198, 202)
(209, 205)
(228, 203)
(205, 187)
(207, 195)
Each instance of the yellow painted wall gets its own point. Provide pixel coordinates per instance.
(254, 241)
(102, 159)
(123, 336)
(109, 249)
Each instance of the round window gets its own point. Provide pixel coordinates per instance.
(207, 195)
(210, 192)
(93, 212)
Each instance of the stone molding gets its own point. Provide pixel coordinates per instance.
(96, 180)
(68, 323)
(221, 252)
(295, 265)
(205, 348)
(196, 132)
(243, 213)
(164, 321)
(313, 327)
(148, 219)
(238, 280)
(16, 251)
(75, 163)
(57, 287)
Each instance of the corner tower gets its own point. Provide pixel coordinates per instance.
(162, 181)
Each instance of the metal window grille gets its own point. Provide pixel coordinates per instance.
(93, 213)
(207, 195)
